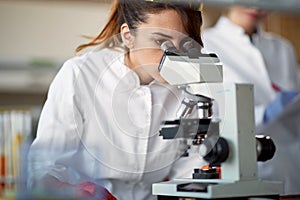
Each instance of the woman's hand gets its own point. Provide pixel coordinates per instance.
(89, 189)
(278, 104)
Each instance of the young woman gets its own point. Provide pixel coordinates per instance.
(99, 127)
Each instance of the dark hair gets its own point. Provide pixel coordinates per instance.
(134, 12)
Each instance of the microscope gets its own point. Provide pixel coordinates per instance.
(219, 119)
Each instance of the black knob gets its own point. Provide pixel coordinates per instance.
(265, 148)
(214, 150)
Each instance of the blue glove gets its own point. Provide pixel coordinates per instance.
(278, 104)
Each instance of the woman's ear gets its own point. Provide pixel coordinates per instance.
(127, 37)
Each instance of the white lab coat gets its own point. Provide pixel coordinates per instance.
(265, 60)
(100, 124)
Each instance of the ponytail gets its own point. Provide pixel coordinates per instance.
(111, 29)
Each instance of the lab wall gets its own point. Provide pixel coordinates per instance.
(286, 25)
(36, 37)
(47, 28)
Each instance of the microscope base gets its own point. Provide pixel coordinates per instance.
(266, 197)
(217, 189)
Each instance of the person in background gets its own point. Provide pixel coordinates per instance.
(251, 55)
(98, 134)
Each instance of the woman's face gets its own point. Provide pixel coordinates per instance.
(144, 44)
(247, 17)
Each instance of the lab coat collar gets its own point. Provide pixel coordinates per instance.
(225, 24)
(125, 69)
(256, 36)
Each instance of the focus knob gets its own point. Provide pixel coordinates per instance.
(265, 148)
(214, 150)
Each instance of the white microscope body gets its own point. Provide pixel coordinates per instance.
(203, 75)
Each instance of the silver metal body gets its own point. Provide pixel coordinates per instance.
(235, 104)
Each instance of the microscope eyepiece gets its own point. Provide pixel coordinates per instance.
(168, 46)
(191, 48)
(186, 46)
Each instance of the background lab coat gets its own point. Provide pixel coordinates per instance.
(100, 125)
(285, 165)
(267, 59)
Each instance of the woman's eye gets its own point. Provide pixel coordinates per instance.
(160, 41)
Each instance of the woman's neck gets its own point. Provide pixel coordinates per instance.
(142, 74)
(250, 27)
